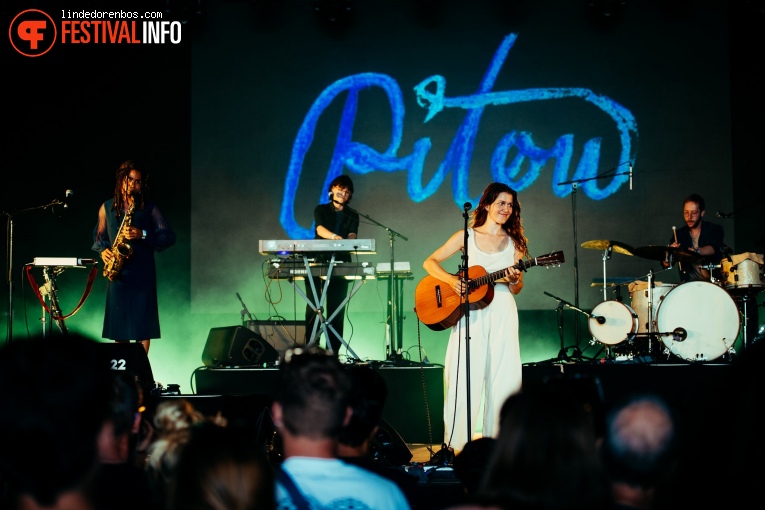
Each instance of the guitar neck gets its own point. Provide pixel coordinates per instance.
(496, 275)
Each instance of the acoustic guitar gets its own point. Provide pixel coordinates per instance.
(439, 307)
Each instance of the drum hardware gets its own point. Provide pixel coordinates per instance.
(760, 334)
(616, 283)
(608, 247)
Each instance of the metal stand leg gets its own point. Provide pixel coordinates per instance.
(319, 304)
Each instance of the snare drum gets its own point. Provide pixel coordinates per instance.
(612, 322)
(743, 272)
(698, 321)
(639, 297)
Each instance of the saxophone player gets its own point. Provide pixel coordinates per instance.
(130, 230)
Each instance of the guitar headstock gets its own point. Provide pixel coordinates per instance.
(550, 259)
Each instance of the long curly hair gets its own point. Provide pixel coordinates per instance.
(118, 206)
(513, 226)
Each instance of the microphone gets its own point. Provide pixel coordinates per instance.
(599, 318)
(630, 176)
(679, 334)
(467, 206)
(67, 198)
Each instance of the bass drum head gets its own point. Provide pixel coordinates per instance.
(619, 323)
(705, 314)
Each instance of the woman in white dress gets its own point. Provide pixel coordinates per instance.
(496, 242)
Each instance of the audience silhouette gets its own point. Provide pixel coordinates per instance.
(53, 403)
(639, 450)
(309, 413)
(221, 467)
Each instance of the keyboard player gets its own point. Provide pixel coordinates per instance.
(333, 221)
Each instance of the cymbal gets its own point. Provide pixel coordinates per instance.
(659, 252)
(604, 245)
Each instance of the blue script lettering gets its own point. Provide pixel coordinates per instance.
(431, 95)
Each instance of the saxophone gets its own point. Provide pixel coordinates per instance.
(120, 248)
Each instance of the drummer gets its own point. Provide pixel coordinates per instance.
(701, 237)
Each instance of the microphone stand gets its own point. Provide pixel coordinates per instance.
(9, 258)
(466, 305)
(577, 351)
(244, 311)
(393, 350)
(561, 303)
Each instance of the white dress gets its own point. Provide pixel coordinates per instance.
(495, 357)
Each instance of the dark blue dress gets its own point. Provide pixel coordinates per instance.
(132, 312)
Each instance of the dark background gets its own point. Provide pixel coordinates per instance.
(215, 118)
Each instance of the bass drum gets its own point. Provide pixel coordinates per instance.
(698, 321)
(613, 322)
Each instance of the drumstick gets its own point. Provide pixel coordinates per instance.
(674, 232)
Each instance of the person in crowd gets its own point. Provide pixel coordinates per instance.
(130, 229)
(120, 483)
(359, 443)
(333, 221)
(639, 450)
(222, 467)
(496, 242)
(173, 421)
(53, 404)
(700, 237)
(309, 412)
(546, 455)
(470, 465)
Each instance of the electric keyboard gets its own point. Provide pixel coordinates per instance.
(62, 262)
(294, 269)
(279, 246)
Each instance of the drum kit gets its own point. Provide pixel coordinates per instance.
(695, 321)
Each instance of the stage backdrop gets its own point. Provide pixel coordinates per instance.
(602, 123)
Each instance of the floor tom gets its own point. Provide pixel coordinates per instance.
(640, 302)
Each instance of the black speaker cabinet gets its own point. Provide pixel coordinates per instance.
(281, 334)
(130, 357)
(231, 346)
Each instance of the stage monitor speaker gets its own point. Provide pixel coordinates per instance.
(281, 334)
(237, 346)
(130, 357)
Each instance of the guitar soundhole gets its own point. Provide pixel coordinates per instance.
(438, 296)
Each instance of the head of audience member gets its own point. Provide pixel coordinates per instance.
(53, 404)
(117, 439)
(367, 399)
(470, 463)
(311, 407)
(639, 449)
(545, 456)
(173, 420)
(222, 468)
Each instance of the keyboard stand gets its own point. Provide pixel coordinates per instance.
(318, 306)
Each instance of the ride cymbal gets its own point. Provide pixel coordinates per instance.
(658, 252)
(604, 245)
